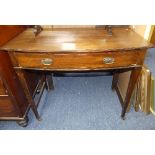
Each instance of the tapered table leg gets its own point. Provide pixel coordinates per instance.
(114, 81)
(20, 74)
(135, 73)
(49, 82)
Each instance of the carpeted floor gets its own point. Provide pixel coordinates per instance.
(85, 103)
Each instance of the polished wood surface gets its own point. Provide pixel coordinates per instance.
(26, 89)
(12, 83)
(32, 78)
(78, 50)
(7, 32)
(132, 82)
(77, 40)
(12, 100)
(7, 109)
(3, 90)
(79, 61)
(14, 104)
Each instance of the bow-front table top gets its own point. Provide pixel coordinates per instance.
(77, 40)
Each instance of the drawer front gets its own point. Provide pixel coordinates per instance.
(79, 61)
(6, 107)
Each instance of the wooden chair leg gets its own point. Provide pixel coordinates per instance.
(135, 73)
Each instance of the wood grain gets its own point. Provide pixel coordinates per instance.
(12, 84)
(12, 101)
(135, 73)
(3, 90)
(6, 107)
(7, 32)
(77, 40)
(78, 50)
(79, 61)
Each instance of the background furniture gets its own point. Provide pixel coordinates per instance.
(14, 104)
(147, 32)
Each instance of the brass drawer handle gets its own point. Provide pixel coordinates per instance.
(46, 61)
(108, 60)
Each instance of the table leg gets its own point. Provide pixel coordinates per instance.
(49, 82)
(24, 122)
(114, 81)
(132, 82)
(20, 74)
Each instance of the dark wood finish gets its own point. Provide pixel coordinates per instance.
(119, 95)
(3, 90)
(132, 82)
(49, 82)
(79, 61)
(78, 50)
(7, 109)
(115, 80)
(13, 101)
(11, 81)
(32, 79)
(41, 88)
(77, 40)
(7, 32)
(23, 81)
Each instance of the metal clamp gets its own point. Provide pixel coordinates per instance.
(109, 29)
(37, 29)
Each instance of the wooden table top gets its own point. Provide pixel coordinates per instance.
(76, 40)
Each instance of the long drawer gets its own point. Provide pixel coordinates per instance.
(79, 61)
